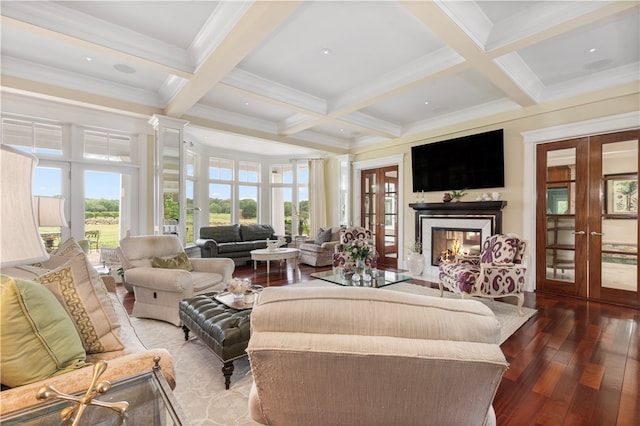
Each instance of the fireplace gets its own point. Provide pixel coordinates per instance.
(453, 241)
(461, 226)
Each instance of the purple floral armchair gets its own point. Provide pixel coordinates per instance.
(498, 272)
(342, 259)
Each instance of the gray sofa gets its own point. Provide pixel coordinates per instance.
(234, 241)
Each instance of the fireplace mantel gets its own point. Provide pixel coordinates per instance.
(459, 209)
(461, 206)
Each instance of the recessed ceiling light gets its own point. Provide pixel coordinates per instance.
(593, 49)
(342, 130)
(326, 51)
(246, 104)
(88, 58)
(125, 68)
(426, 102)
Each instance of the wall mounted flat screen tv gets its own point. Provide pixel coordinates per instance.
(469, 162)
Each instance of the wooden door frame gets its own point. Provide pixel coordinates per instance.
(614, 123)
(378, 178)
(407, 214)
(596, 291)
(579, 284)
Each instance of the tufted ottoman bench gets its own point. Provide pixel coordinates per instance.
(224, 330)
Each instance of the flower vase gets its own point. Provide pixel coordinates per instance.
(415, 263)
(359, 270)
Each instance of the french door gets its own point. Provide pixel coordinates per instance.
(379, 207)
(587, 217)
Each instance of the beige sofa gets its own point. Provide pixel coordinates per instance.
(134, 358)
(362, 356)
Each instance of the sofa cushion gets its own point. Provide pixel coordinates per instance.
(180, 261)
(72, 285)
(256, 232)
(35, 331)
(235, 247)
(324, 235)
(222, 234)
(312, 247)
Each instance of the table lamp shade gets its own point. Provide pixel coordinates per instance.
(20, 242)
(49, 211)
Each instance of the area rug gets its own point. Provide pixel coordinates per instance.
(200, 388)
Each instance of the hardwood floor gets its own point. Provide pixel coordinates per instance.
(573, 363)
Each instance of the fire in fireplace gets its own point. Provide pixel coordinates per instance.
(448, 242)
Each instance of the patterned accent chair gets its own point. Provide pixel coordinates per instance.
(498, 272)
(341, 258)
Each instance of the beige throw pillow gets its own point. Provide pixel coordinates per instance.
(94, 316)
(62, 254)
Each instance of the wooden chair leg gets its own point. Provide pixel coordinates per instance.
(227, 371)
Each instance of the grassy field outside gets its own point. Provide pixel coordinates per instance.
(109, 231)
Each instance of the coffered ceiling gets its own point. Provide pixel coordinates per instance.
(320, 75)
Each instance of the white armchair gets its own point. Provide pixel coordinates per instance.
(161, 274)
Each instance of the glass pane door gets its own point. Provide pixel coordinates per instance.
(614, 224)
(108, 207)
(561, 246)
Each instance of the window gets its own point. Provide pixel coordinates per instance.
(191, 182)
(31, 136)
(220, 184)
(233, 192)
(248, 188)
(105, 146)
(105, 193)
(290, 198)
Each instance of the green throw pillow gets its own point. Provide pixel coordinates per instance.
(180, 261)
(37, 338)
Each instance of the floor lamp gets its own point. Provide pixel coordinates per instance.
(20, 242)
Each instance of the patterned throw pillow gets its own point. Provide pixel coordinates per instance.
(180, 261)
(37, 337)
(62, 254)
(93, 316)
(499, 249)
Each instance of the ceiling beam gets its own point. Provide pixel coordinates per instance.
(434, 18)
(93, 47)
(252, 29)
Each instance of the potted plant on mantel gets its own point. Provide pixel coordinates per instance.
(457, 195)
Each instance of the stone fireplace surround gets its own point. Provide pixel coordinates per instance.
(485, 216)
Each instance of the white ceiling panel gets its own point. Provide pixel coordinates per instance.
(364, 39)
(601, 46)
(174, 22)
(260, 67)
(230, 100)
(456, 92)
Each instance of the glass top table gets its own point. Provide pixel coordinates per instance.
(151, 402)
(379, 278)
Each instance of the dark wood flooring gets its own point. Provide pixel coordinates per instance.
(573, 363)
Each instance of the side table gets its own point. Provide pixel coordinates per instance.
(151, 402)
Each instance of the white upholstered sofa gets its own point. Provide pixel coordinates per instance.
(161, 275)
(132, 358)
(362, 356)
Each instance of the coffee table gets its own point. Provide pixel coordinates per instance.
(379, 278)
(151, 402)
(277, 254)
